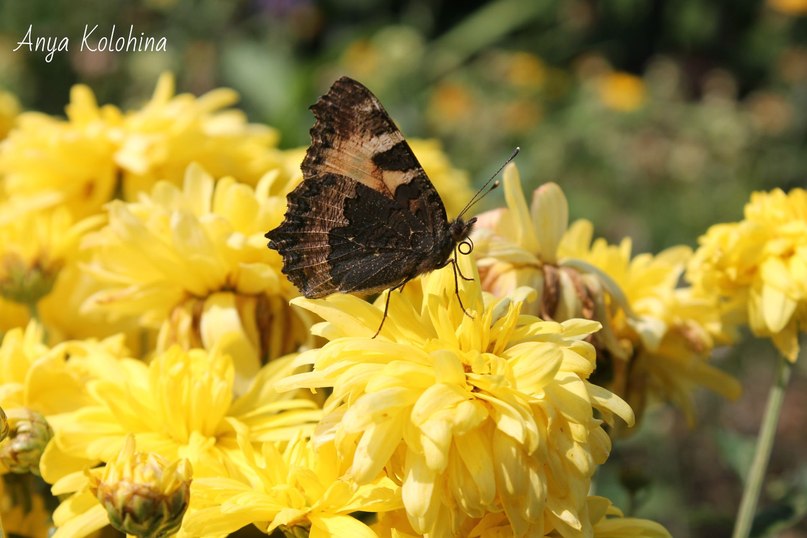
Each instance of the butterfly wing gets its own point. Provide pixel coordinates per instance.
(354, 137)
(340, 235)
(366, 217)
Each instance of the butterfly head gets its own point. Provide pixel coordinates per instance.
(460, 231)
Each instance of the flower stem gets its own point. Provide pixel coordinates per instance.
(33, 309)
(756, 475)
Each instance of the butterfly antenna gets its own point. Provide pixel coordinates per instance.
(485, 190)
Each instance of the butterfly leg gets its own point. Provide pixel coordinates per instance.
(455, 267)
(386, 304)
(463, 276)
(458, 250)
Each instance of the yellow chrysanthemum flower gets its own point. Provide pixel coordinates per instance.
(82, 161)
(51, 162)
(52, 381)
(477, 413)
(169, 132)
(34, 246)
(668, 331)
(181, 405)
(37, 248)
(758, 267)
(9, 110)
(656, 336)
(295, 487)
(193, 263)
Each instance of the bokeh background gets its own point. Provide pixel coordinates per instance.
(657, 118)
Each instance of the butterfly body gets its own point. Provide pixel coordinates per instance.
(366, 218)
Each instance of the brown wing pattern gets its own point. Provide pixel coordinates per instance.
(314, 209)
(353, 136)
(340, 235)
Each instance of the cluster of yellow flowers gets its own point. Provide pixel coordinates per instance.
(159, 374)
(758, 267)
(657, 336)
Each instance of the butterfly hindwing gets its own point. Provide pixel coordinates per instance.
(363, 244)
(302, 239)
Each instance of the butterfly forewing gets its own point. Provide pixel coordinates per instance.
(353, 136)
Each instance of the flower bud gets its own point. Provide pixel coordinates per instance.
(28, 434)
(142, 493)
(3, 425)
(24, 283)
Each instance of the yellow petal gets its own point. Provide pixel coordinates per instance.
(777, 307)
(198, 186)
(521, 485)
(606, 399)
(787, 341)
(550, 218)
(571, 397)
(56, 464)
(534, 364)
(222, 328)
(474, 450)
(335, 309)
(83, 524)
(375, 449)
(327, 526)
(576, 240)
(376, 405)
(435, 413)
(514, 195)
(418, 491)
(513, 421)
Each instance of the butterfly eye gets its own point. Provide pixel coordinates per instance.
(466, 246)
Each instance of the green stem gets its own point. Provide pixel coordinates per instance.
(756, 475)
(33, 310)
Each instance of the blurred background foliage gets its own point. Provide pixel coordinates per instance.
(658, 118)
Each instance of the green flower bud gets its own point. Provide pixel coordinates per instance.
(142, 493)
(28, 434)
(25, 284)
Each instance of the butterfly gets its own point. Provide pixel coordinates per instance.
(365, 218)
